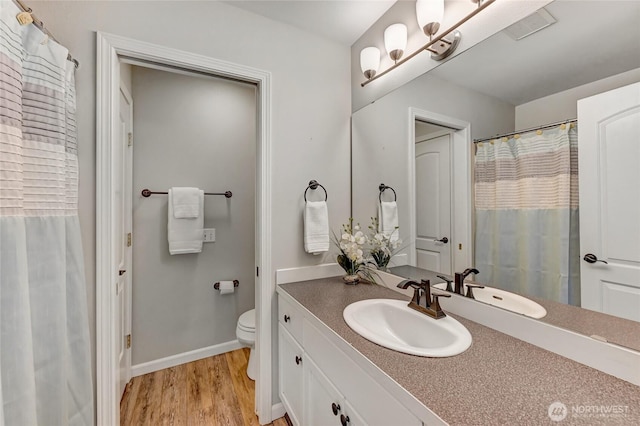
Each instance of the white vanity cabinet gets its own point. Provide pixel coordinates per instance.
(290, 360)
(291, 374)
(324, 404)
(321, 385)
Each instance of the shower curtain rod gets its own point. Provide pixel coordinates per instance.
(546, 126)
(38, 23)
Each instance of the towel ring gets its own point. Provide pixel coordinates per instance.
(382, 187)
(314, 185)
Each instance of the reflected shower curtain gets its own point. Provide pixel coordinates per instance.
(526, 210)
(45, 359)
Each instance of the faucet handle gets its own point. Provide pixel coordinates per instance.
(470, 288)
(435, 306)
(448, 281)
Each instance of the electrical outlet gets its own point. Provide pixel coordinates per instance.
(209, 235)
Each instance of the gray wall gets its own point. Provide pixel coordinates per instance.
(310, 107)
(564, 105)
(191, 131)
(380, 134)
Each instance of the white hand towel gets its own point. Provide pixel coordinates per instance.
(185, 202)
(316, 227)
(185, 235)
(388, 219)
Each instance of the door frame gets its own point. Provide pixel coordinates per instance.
(461, 225)
(109, 48)
(128, 228)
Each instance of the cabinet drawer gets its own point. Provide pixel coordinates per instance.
(373, 403)
(290, 318)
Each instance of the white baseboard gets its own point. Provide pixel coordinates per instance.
(277, 411)
(183, 358)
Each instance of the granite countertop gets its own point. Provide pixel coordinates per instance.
(616, 330)
(498, 380)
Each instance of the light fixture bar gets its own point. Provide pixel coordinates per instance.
(480, 8)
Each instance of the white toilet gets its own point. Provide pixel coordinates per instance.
(246, 333)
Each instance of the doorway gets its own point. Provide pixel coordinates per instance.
(439, 156)
(433, 197)
(110, 49)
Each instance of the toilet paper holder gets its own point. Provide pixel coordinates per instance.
(236, 283)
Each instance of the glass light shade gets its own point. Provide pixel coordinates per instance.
(395, 40)
(430, 14)
(369, 61)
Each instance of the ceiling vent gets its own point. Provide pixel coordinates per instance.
(531, 24)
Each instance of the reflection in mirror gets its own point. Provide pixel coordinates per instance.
(500, 86)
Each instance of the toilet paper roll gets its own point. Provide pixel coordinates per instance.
(226, 287)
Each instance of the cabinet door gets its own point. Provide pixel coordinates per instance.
(352, 417)
(291, 386)
(323, 404)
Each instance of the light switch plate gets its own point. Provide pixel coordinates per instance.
(209, 235)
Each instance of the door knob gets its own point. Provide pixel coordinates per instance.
(121, 272)
(444, 240)
(592, 258)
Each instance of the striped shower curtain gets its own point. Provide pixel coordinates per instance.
(45, 358)
(526, 214)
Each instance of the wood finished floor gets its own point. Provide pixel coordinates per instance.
(212, 391)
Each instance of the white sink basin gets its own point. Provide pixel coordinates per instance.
(505, 300)
(392, 324)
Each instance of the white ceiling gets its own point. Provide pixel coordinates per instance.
(591, 40)
(343, 21)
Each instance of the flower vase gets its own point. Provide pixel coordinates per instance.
(351, 279)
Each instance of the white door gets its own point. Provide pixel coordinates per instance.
(433, 204)
(122, 230)
(609, 161)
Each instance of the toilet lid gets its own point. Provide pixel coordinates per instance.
(248, 319)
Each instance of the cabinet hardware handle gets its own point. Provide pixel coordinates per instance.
(335, 408)
(298, 359)
(287, 318)
(344, 420)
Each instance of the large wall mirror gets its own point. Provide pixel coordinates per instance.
(425, 130)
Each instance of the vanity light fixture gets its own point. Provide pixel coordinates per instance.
(430, 14)
(369, 61)
(395, 40)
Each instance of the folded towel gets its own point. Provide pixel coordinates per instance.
(316, 227)
(185, 235)
(388, 219)
(185, 202)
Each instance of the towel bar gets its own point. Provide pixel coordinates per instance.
(147, 193)
(382, 187)
(216, 286)
(313, 184)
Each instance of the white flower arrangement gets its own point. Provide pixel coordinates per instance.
(351, 244)
(382, 245)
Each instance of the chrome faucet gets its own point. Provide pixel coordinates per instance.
(459, 280)
(432, 306)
